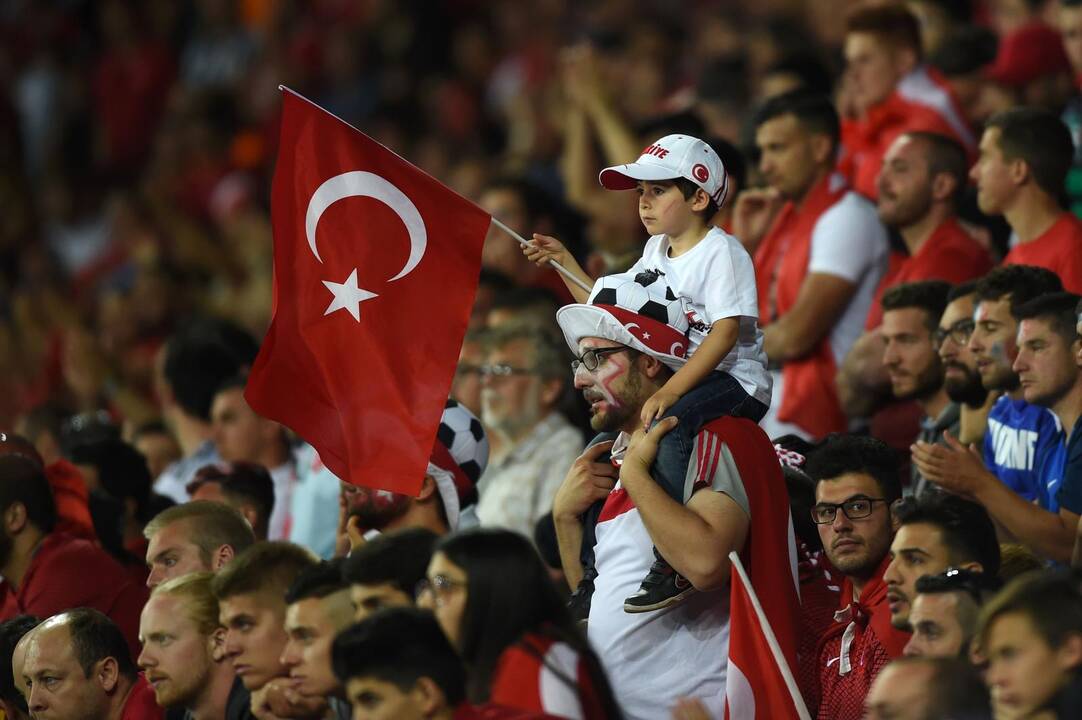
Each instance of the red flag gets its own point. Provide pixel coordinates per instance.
(375, 270)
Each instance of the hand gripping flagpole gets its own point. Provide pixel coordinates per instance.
(555, 265)
(771, 640)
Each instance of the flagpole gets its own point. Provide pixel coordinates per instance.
(555, 265)
(771, 640)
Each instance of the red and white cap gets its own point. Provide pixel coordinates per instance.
(633, 313)
(671, 157)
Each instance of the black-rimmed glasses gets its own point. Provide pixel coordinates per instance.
(854, 509)
(440, 586)
(591, 359)
(959, 332)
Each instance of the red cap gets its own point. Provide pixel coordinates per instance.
(1030, 52)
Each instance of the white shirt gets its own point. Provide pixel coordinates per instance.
(715, 280)
(516, 491)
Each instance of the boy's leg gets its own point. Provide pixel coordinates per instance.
(715, 397)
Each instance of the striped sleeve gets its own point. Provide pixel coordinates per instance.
(712, 466)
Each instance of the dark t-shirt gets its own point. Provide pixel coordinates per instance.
(238, 706)
(1070, 491)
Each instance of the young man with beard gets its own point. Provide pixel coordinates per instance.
(318, 609)
(935, 532)
(960, 377)
(856, 483)
(911, 313)
(1047, 362)
(734, 500)
(252, 608)
(198, 536)
(183, 648)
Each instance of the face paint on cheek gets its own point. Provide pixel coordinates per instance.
(607, 377)
(999, 354)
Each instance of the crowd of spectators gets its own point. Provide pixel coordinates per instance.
(905, 180)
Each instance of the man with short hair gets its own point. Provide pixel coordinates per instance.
(399, 664)
(890, 91)
(927, 689)
(318, 608)
(856, 481)
(522, 382)
(245, 487)
(934, 532)
(819, 253)
(251, 599)
(45, 570)
(1024, 157)
(1031, 634)
(77, 664)
(732, 500)
(1047, 362)
(385, 571)
(188, 370)
(198, 536)
(961, 380)
(945, 610)
(183, 654)
(243, 436)
(12, 700)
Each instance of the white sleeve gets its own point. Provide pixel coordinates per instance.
(729, 290)
(848, 240)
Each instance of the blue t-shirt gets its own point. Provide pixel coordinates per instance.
(1070, 490)
(1021, 448)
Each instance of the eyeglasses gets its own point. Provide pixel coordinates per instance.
(503, 371)
(959, 332)
(854, 509)
(440, 586)
(591, 359)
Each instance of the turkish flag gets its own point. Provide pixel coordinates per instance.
(375, 269)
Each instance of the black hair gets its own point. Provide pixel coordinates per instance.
(893, 23)
(966, 529)
(122, 472)
(317, 581)
(11, 632)
(400, 645)
(813, 74)
(95, 637)
(1059, 310)
(200, 357)
(840, 454)
(23, 481)
(961, 290)
(927, 295)
(240, 482)
(965, 50)
(814, 111)
(959, 11)
(1021, 282)
(1050, 599)
(945, 156)
(508, 595)
(399, 558)
(978, 585)
(1040, 139)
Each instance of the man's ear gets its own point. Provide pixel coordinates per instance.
(222, 557)
(250, 513)
(429, 697)
(650, 365)
(108, 674)
(1070, 652)
(822, 147)
(428, 487)
(15, 518)
(1018, 171)
(943, 186)
(216, 645)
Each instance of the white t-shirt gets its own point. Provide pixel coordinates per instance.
(849, 241)
(682, 651)
(715, 280)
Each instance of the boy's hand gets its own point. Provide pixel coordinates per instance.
(642, 451)
(544, 249)
(656, 406)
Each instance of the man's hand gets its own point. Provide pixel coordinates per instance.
(279, 699)
(656, 406)
(642, 450)
(953, 467)
(754, 211)
(586, 482)
(544, 249)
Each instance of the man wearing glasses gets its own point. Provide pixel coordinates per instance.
(856, 481)
(533, 445)
(961, 380)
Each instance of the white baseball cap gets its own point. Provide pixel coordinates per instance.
(671, 157)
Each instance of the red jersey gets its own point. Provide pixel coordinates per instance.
(542, 674)
(949, 253)
(141, 704)
(67, 572)
(1058, 249)
(859, 644)
(465, 711)
(820, 585)
(72, 500)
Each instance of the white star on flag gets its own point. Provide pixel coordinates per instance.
(347, 296)
(645, 335)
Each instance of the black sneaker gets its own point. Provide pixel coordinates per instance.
(661, 588)
(579, 603)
